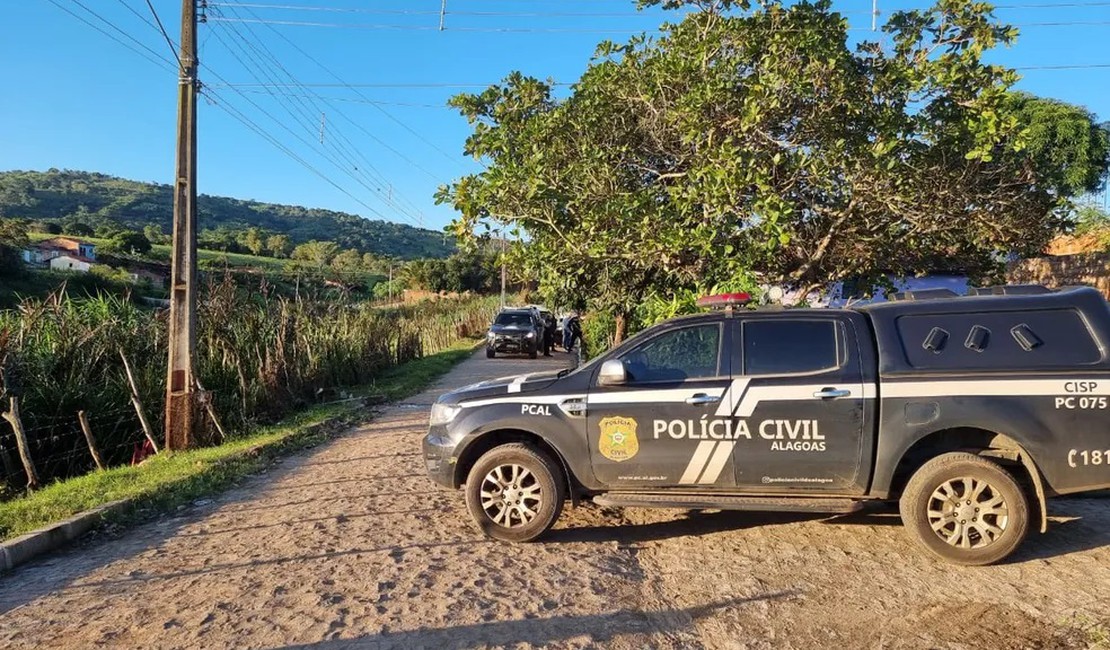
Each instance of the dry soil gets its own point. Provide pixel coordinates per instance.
(349, 545)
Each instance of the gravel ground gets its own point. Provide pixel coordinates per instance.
(350, 546)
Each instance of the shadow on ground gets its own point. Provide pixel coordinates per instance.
(692, 524)
(540, 632)
(1077, 525)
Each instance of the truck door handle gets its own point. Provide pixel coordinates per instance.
(832, 393)
(574, 408)
(701, 398)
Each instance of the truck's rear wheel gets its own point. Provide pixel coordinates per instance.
(965, 509)
(515, 493)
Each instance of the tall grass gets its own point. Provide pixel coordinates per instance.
(260, 355)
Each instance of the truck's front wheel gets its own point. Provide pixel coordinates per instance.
(965, 509)
(515, 492)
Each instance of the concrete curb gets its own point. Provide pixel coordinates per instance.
(24, 548)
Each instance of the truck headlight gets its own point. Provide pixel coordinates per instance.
(443, 413)
(530, 335)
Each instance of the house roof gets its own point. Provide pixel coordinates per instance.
(76, 258)
(63, 243)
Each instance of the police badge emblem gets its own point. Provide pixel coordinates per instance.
(618, 440)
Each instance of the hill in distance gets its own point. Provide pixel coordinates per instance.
(96, 199)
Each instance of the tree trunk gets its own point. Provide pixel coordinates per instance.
(621, 329)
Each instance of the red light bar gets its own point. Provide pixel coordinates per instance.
(724, 300)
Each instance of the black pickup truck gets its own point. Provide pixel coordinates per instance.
(969, 411)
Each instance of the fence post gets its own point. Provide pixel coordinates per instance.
(138, 403)
(206, 400)
(12, 416)
(89, 439)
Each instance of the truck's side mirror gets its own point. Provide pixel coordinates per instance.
(612, 373)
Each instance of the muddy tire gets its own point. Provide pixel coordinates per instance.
(515, 493)
(490, 353)
(965, 509)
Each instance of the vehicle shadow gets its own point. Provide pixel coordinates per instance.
(1075, 525)
(1085, 526)
(601, 629)
(694, 523)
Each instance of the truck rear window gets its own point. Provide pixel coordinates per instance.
(779, 347)
(998, 340)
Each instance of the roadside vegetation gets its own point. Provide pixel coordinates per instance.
(165, 481)
(261, 356)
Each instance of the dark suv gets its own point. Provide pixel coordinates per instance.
(518, 331)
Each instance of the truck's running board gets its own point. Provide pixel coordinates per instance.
(726, 502)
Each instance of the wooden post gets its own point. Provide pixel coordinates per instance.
(206, 399)
(12, 416)
(138, 403)
(89, 439)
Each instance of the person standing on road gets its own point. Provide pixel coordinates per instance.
(572, 332)
(548, 334)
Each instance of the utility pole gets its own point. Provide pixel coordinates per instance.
(502, 269)
(874, 14)
(180, 381)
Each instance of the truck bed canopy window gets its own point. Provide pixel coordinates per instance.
(1001, 340)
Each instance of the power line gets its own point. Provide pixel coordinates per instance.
(153, 56)
(265, 52)
(428, 12)
(435, 28)
(135, 12)
(253, 126)
(378, 85)
(308, 143)
(572, 30)
(169, 41)
(311, 144)
(378, 108)
(353, 100)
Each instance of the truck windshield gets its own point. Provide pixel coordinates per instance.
(513, 319)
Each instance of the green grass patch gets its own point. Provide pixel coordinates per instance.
(169, 480)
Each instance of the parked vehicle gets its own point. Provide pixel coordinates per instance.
(515, 331)
(969, 412)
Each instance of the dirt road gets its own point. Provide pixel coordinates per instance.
(350, 546)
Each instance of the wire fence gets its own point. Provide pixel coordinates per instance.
(57, 447)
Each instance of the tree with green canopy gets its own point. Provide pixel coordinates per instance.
(753, 142)
(319, 253)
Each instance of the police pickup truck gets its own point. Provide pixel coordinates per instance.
(968, 411)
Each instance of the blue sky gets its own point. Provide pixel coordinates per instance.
(73, 98)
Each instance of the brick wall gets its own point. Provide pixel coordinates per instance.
(1091, 269)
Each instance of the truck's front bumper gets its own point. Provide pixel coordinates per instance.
(510, 344)
(439, 456)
